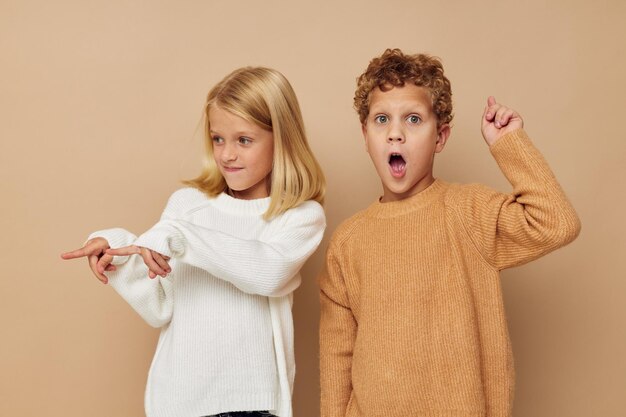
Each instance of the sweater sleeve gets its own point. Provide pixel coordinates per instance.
(534, 219)
(337, 337)
(150, 298)
(268, 268)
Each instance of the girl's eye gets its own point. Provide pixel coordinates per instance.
(245, 141)
(217, 139)
(381, 118)
(413, 119)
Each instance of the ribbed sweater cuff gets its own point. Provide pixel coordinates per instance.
(504, 143)
(164, 239)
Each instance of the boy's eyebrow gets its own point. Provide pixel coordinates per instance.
(413, 108)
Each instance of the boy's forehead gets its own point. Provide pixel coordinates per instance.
(408, 95)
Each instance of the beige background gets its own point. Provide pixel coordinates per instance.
(99, 107)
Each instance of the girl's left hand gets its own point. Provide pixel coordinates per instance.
(156, 263)
(498, 120)
(94, 250)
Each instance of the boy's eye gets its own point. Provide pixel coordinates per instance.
(413, 119)
(245, 141)
(217, 139)
(381, 118)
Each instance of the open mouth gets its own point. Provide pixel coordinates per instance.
(397, 164)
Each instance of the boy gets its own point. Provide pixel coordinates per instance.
(412, 320)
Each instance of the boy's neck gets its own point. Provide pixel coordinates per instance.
(389, 196)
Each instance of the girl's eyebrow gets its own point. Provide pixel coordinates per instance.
(240, 133)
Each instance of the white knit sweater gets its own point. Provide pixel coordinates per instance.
(226, 342)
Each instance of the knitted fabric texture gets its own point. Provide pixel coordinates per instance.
(412, 318)
(226, 340)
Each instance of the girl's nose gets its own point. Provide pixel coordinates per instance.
(229, 154)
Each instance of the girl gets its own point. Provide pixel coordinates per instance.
(237, 239)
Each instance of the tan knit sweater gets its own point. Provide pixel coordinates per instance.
(412, 320)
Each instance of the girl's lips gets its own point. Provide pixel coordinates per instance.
(231, 169)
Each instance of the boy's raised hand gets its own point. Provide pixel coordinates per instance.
(95, 252)
(156, 263)
(498, 120)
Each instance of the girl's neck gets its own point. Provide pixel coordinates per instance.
(242, 195)
(260, 190)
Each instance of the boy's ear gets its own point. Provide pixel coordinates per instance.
(364, 132)
(442, 137)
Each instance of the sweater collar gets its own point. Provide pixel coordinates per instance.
(230, 204)
(410, 204)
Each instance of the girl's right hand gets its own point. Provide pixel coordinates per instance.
(156, 263)
(95, 252)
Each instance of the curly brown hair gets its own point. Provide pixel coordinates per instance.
(392, 69)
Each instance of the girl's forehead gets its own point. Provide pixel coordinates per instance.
(215, 111)
(227, 123)
(219, 116)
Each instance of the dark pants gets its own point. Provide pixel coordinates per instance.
(245, 414)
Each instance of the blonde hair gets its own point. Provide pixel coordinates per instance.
(263, 96)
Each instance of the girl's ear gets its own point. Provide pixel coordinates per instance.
(442, 137)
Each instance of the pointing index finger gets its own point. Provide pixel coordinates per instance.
(125, 251)
(78, 253)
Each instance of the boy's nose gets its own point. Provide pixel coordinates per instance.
(395, 132)
(395, 138)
